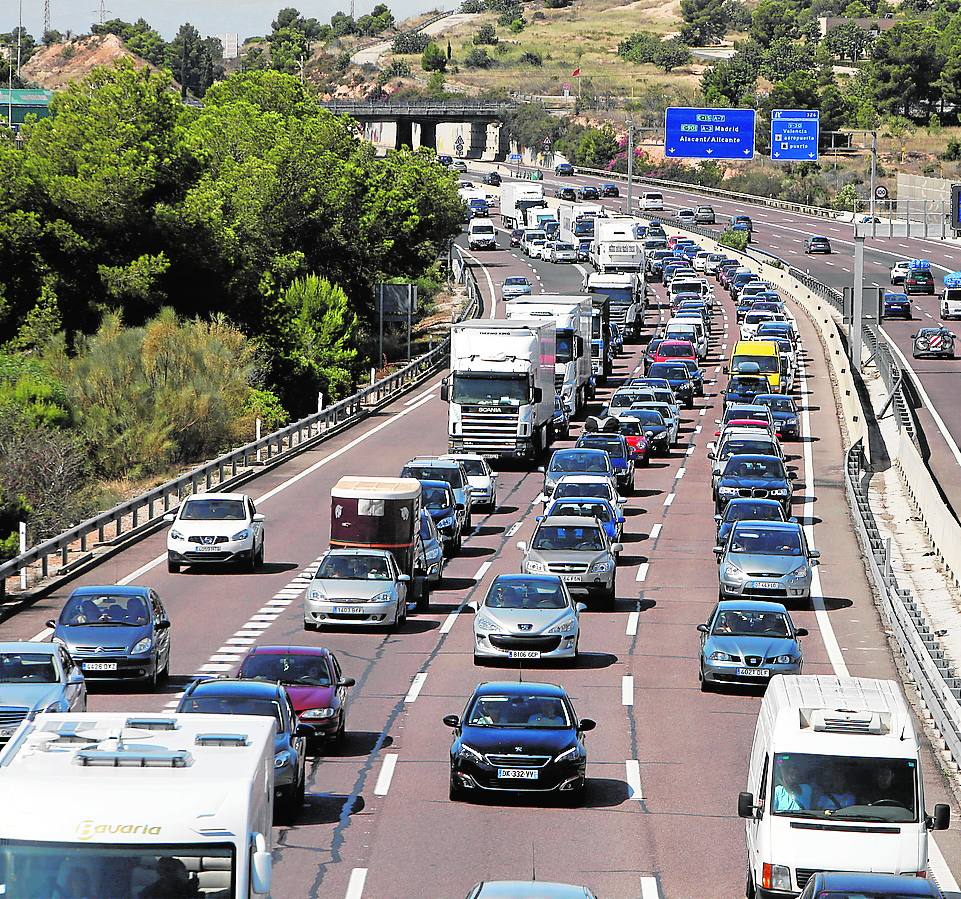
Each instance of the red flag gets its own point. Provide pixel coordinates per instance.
(576, 73)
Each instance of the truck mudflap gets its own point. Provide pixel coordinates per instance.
(421, 593)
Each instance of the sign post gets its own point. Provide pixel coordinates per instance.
(695, 133)
(794, 134)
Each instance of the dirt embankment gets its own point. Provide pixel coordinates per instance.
(58, 65)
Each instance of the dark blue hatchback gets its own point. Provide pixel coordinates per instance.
(846, 885)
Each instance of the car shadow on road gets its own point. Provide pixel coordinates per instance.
(326, 808)
(487, 530)
(605, 792)
(831, 604)
(456, 583)
(475, 552)
(355, 744)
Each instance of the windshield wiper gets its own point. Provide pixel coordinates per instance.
(107, 624)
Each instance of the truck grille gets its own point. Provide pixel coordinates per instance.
(489, 432)
(558, 380)
(803, 876)
(619, 315)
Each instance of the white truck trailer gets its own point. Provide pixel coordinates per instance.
(616, 247)
(516, 199)
(501, 387)
(571, 315)
(114, 803)
(577, 220)
(628, 295)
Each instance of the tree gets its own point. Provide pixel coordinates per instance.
(410, 42)
(194, 61)
(705, 21)
(907, 65)
(342, 24)
(672, 54)
(434, 59)
(532, 58)
(52, 37)
(899, 128)
(846, 199)
(773, 19)
(486, 34)
(639, 47)
(847, 41)
(379, 19)
(590, 147)
(785, 57)
(730, 82)
(478, 58)
(138, 37)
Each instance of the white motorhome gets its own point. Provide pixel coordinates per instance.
(110, 803)
(951, 298)
(481, 234)
(834, 784)
(628, 295)
(571, 315)
(501, 387)
(516, 198)
(616, 247)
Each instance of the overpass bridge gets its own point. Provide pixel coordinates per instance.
(466, 128)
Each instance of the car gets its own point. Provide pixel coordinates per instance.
(633, 432)
(579, 550)
(651, 201)
(697, 376)
(738, 442)
(654, 427)
(520, 738)
(748, 642)
(670, 350)
(742, 388)
(919, 280)
(851, 885)
(215, 528)
(606, 512)
(527, 617)
(655, 263)
(745, 508)
(481, 480)
(617, 448)
(564, 168)
(37, 677)
(562, 251)
(668, 413)
(516, 286)
(115, 633)
(584, 249)
(478, 208)
(609, 189)
(937, 342)
(566, 192)
(742, 221)
(650, 352)
(757, 476)
(314, 682)
(624, 398)
(686, 216)
(444, 159)
(527, 889)
(656, 229)
(517, 235)
(577, 461)
(900, 270)
(817, 243)
(679, 378)
(704, 215)
(561, 420)
(785, 413)
(357, 587)
(236, 696)
(444, 469)
(493, 179)
(535, 248)
(752, 321)
(896, 305)
(587, 485)
(617, 338)
(768, 559)
(431, 553)
(588, 192)
(700, 260)
(740, 280)
(439, 501)
(458, 165)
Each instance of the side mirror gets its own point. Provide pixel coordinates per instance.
(580, 607)
(162, 624)
(941, 818)
(169, 517)
(718, 550)
(346, 682)
(620, 519)
(814, 554)
(261, 867)
(800, 632)
(404, 578)
(702, 629)
(75, 679)
(617, 547)
(51, 624)
(712, 455)
(745, 805)
(538, 518)
(586, 724)
(538, 394)
(451, 720)
(913, 336)
(259, 517)
(522, 546)
(726, 369)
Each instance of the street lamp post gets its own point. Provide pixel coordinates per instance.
(630, 164)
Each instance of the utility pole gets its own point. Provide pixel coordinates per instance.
(46, 16)
(630, 164)
(19, 42)
(874, 170)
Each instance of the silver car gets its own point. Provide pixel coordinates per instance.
(481, 479)
(517, 889)
(578, 550)
(356, 586)
(37, 677)
(766, 559)
(526, 616)
(577, 461)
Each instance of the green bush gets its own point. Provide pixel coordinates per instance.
(397, 68)
(410, 42)
(478, 58)
(532, 58)
(736, 240)
(486, 34)
(952, 152)
(433, 59)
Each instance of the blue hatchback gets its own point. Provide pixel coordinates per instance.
(784, 411)
(843, 885)
(616, 446)
(896, 305)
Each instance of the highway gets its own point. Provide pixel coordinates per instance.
(666, 761)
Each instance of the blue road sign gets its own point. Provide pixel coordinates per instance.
(514, 157)
(691, 133)
(794, 134)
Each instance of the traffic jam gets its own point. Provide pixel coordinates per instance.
(656, 349)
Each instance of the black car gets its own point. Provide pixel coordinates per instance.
(653, 427)
(757, 476)
(563, 168)
(784, 411)
(566, 193)
(817, 244)
(697, 376)
(919, 280)
(439, 501)
(444, 159)
(517, 235)
(678, 376)
(493, 179)
(656, 229)
(743, 388)
(586, 192)
(518, 738)
(609, 190)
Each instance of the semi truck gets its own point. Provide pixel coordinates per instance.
(602, 357)
(129, 803)
(516, 199)
(571, 315)
(577, 220)
(616, 247)
(500, 389)
(627, 293)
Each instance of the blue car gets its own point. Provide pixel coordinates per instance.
(439, 501)
(896, 305)
(678, 377)
(611, 518)
(743, 388)
(784, 412)
(748, 642)
(843, 885)
(622, 457)
(564, 168)
(697, 376)
(757, 476)
(745, 508)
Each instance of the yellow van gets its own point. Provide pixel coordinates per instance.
(764, 354)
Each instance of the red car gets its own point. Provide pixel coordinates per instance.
(634, 435)
(674, 350)
(673, 239)
(313, 680)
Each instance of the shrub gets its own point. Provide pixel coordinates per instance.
(478, 59)
(952, 152)
(486, 34)
(473, 6)
(517, 26)
(736, 240)
(639, 47)
(397, 68)
(433, 59)
(556, 4)
(410, 42)
(532, 58)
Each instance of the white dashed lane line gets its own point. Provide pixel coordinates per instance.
(417, 684)
(632, 622)
(633, 768)
(656, 531)
(642, 572)
(627, 690)
(386, 774)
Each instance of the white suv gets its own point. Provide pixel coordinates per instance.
(215, 527)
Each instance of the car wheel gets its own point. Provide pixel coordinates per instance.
(259, 561)
(341, 733)
(705, 684)
(478, 661)
(173, 567)
(165, 672)
(454, 792)
(293, 801)
(310, 626)
(469, 522)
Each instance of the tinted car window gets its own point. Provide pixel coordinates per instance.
(28, 667)
(518, 594)
(234, 705)
(309, 670)
(213, 510)
(554, 537)
(354, 568)
(761, 541)
(518, 711)
(105, 609)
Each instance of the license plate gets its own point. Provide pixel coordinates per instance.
(766, 585)
(753, 672)
(523, 654)
(349, 610)
(205, 549)
(99, 666)
(517, 773)
(6, 731)
(571, 578)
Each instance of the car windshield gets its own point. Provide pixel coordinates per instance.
(672, 371)
(753, 512)
(748, 382)
(213, 510)
(751, 623)
(309, 670)
(765, 364)
(613, 447)
(580, 461)
(768, 469)
(600, 511)
(527, 711)
(778, 403)
(474, 467)
(514, 593)
(675, 349)
(844, 787)
(765, 541)
(500, 390)
(516, 282)
(742, 446)
(354, 568)
(437, 498)
(579, 488)
(449, 473)
(28, 667)
(109, 609)
(629, 427)
(648, 417)
(560, 537)
(232, 705)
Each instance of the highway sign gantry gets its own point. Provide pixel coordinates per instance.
(794, 134)
(695, 133)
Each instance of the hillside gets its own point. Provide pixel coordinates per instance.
(57, 65)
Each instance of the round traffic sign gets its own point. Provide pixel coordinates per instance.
(881, 192)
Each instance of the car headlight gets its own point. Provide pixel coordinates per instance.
(142, 646)
(564, 627)
(779, 877)
(785, 660)
(486, 624)
(603, 565)
(314, 714)
(241, 535)
(534, 567)
(60, 642)
(568, 755)
(720, 657)
(382, 597)
(282, 758)
(175, 534)
(468, 752)
(779, 491)
(733, 572)
(447, 522)
(800, 571)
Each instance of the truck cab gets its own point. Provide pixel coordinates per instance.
(602, 355)
(626, 292)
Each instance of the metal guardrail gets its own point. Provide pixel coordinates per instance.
(62, 554)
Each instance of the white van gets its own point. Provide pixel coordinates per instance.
(678, 326)
(692, 285)
(650, 201)
(834, 784)
(481, 234)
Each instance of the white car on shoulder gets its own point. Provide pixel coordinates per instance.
(215, 528)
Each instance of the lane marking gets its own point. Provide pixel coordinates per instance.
(627, 690)
(449, 622)
(632, 622)
(355, 886)
(703, 412)
(482, 570)
(690, 451)
(650, 888)
(680, 472)
(490, 281)
(642, 572)
(668, 499)
(514, 528)
(697, 430)
(386, 773)
(634, 779)
(656, 531)
(417, 684)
